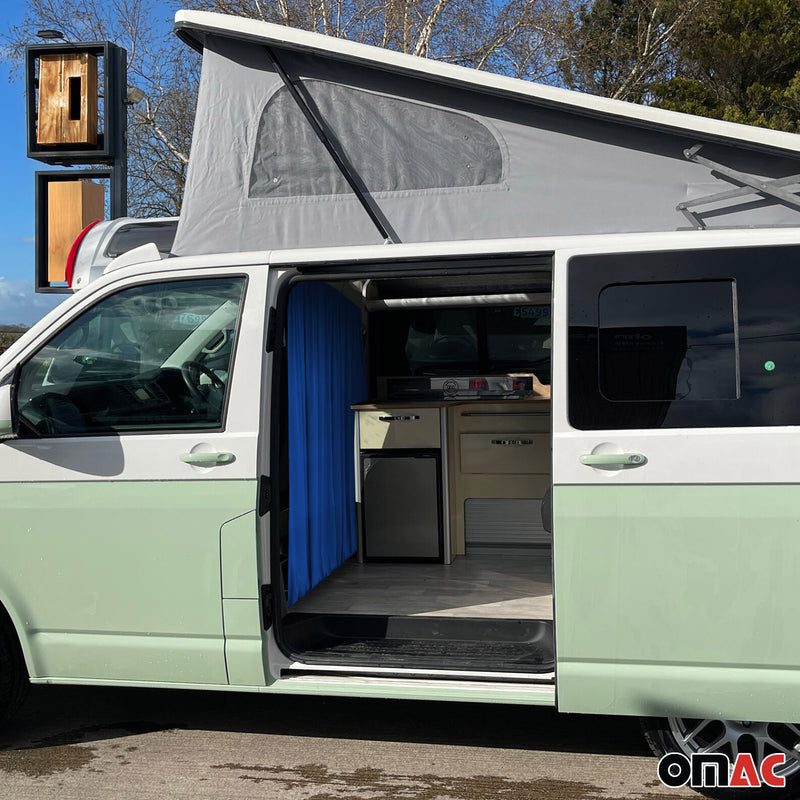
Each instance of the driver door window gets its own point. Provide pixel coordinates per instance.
(148, 358)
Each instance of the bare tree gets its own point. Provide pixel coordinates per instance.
(520, 38)
(159, 125)
(619, 48)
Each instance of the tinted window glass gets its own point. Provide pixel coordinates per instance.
(147, 358)
(447, 339)
(732, 310)
(668, 341)
(519, 336)
(162, 234)
(461, 341)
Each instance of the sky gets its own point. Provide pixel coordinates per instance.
(18, 302)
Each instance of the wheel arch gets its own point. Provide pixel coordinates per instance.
(10, 616)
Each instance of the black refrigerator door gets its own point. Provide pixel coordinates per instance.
(402, 507)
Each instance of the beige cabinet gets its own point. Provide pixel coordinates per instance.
(399, 428)
(505, 453)
(497, 452)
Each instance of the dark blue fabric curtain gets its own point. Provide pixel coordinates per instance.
(326, 375)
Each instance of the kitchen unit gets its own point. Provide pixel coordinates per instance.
(400, 476)
(487, 462)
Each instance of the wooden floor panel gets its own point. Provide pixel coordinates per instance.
(513, 586)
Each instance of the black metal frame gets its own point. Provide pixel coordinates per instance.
(43, 178)
(111, 149)
(111, 140)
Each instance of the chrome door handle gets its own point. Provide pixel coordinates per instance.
(208, 459)
(613, 460)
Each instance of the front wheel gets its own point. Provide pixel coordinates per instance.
(731, 738)
(14, 682)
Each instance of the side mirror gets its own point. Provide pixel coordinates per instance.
(8, 426)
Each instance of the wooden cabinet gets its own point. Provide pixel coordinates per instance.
(71, 206)
(399, 428)
(67, 99)
(498, 452)
(495, 464)
(504, 453)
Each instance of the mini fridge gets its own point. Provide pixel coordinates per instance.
(402, 505)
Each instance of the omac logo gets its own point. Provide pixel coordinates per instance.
(714, 770)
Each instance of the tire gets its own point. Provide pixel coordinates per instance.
(731, 737)
(14, 682)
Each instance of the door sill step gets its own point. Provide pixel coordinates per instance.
(299, 669)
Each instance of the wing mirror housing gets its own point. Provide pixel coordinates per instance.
(8, 417)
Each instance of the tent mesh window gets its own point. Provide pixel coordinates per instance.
(393, 144)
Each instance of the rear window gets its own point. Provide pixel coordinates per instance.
(135, 234)
(705, 338)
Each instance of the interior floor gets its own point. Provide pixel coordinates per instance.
(513, 585)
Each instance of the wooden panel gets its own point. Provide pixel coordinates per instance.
(71, 206)
(501, 453)
(67, 99)
(399, 428)
(504, 418)
(497, 420)
(503, 486)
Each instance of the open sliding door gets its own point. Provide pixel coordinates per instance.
(676, 496)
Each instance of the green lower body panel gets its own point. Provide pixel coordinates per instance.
(119, 580)
(678, 600)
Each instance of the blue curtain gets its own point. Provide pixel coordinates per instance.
(325, 354)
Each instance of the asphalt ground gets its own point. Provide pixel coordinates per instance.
(86, 743)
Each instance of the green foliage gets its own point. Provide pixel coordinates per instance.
(739, 62)
(9, 334)
(617, 48)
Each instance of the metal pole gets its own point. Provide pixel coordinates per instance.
(117, 129)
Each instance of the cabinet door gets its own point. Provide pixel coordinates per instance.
(676, 532)
(138, 441)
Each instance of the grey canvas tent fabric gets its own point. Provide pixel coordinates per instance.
(440, 161)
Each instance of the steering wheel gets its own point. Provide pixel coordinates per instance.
(191, 372)
(453, 347)
(53, 414)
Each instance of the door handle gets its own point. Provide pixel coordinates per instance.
(613, 460)
(208, 459)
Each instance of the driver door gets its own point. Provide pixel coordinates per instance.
(138, 425)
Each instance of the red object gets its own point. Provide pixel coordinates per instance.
(478, 383)
(73, 252)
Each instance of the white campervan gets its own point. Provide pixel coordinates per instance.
(547, 470)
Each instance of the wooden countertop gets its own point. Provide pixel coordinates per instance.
(494, 401)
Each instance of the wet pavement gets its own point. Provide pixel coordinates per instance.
(87, 743)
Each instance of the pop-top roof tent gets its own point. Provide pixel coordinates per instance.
(303, 140)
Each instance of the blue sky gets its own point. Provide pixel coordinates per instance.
(18, 302)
